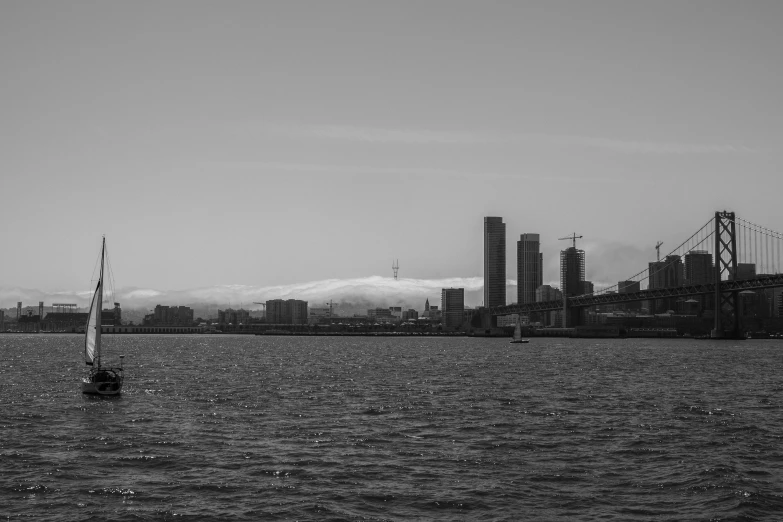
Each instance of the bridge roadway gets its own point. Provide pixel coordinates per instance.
(757, 283)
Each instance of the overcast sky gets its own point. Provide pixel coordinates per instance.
(276, 143)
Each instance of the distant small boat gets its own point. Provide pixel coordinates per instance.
(102, 380)
(518, 336)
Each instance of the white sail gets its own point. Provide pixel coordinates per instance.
(518, 332)
(92, 339)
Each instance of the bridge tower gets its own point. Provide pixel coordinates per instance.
(726, 303)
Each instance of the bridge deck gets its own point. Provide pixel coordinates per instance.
(757, 283)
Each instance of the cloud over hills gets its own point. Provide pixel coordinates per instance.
(349, 295)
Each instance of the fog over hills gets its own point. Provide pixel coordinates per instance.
(349, 296)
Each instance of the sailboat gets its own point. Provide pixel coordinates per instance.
(102, 380)
(518, 335)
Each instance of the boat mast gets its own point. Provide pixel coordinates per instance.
(99, 308)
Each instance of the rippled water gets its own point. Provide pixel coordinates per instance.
(250, 428)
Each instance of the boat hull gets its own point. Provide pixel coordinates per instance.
(519, 341)
(101, 388)
(103, 381)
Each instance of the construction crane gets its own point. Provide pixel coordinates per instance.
(658, 249)
(395, 267)
(262, 304)
(572, 237)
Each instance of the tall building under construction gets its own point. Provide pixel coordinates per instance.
(572, 276)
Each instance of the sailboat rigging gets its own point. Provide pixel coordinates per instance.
(518, 335)
(102, 380)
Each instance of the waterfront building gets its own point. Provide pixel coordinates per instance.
(319, 315)
(275, 311)
(396, 312)
(227, 316)
(629, 287)
(163, 315)
(410, 315)
(668, 273)
(513, 319)
(452, 304)
(431, 313)
(699, 270)
(160, 315)
(572, 278)
(185, 316)
(288, 311)
(298, 310)
(603, 308)
(530, 273)
(111, 316)
(380, 315)
(494, 262)
(546, 293)
(744, 271)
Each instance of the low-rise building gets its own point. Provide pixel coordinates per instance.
(410, 315)
(319, 315)
(163, 315)
(380, 315)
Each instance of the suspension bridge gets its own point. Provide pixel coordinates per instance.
(742, 257)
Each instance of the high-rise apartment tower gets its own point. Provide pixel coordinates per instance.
(668, 273)
(494, 262)
(530, 273)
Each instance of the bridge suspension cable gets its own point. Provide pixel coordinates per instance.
(760, 246)
(701, 238)
(757, 245)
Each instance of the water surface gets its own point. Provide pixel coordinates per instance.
(302, 428)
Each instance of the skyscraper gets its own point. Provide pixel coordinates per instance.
(452, 303)
(665, 274)
(699, 271)
(494, 262)
(529, 268)
(572, 276)
(698, 268)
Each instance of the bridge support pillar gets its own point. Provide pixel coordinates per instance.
(726, 303)
(573, 316)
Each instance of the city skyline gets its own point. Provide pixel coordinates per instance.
(201, 144)
(361, 292)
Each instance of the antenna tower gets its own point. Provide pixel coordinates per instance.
(658, 249)
(395, 267)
